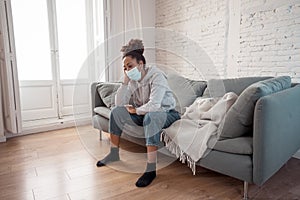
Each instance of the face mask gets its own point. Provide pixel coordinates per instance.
(134, 74)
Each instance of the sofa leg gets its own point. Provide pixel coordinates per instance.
(100, 134)
(245, 191)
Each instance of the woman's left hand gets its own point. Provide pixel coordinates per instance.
(130, 109)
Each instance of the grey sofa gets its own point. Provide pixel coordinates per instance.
(253, 157)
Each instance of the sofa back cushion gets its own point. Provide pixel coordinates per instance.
(218, 87)
(185, 90)
(107, 92)
(239, 118)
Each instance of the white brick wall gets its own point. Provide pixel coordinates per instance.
(198, 22)
(268, 36)
(270, 39)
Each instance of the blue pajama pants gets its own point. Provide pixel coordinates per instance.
(152, 122)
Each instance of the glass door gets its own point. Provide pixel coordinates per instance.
(32, 41)
(73, 40)
(53, 39)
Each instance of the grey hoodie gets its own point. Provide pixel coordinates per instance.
(150, 94)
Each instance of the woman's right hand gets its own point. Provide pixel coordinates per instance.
(126, 78)
(130, 109)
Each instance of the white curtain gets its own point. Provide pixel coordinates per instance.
(10, 119)
(126, 18)
(2, 136)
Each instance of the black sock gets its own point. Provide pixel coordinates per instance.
(148, 176)
(111, 157)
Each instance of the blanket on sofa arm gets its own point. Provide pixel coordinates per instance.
(187, 138)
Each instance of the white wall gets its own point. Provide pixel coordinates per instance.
(242, 37)
(270, 38)
(198, 21)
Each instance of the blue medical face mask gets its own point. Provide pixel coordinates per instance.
(134, 74)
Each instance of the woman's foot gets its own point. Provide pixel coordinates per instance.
(148, 176)
(111, 157)
(146, 179)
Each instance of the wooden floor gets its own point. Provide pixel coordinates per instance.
(61, 165)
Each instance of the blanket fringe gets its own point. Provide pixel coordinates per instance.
(174, 149)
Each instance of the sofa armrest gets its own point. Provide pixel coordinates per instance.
(276, 134)
(95, 98)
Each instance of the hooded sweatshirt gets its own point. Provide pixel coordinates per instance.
(151, 94)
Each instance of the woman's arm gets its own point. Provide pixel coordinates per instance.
(123, 93)
(158, 89)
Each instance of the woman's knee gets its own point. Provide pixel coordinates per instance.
(117, 110)
(154, 118)
(116, 121)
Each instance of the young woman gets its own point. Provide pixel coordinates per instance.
(153, 107)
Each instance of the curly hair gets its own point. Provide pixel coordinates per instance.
(134, 49)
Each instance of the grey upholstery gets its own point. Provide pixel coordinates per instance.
(239, 118)
(100, 122)
(276, 129)
(185, 90)
(276, 132)
(107, 92)
(239, 145)
(95, 98)
(103, 111)
(218, 87)
(234, 165)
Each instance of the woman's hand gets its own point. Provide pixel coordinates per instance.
(130, 109)
(126, 78)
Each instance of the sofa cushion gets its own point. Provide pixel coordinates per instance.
(239, 145)
(218, 87)
(185, 90)
(239, 118)
(107, 92)
(103, 111)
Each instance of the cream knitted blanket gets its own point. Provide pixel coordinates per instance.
(187, 138)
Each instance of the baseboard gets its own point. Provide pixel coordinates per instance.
(2, 139)
(297, 154)
(50, 125)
